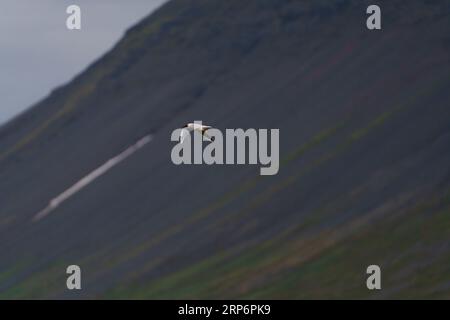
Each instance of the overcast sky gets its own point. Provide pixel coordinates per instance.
(38, 52)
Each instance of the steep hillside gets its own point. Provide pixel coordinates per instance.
(364, 147)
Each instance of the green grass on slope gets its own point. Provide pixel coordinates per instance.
(37, 285)
(259, 271)
(330, 264)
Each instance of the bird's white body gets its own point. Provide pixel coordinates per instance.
(188, 128)
(197, 126)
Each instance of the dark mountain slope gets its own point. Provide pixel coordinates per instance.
(364, 147)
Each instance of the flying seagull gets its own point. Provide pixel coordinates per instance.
(195, 127)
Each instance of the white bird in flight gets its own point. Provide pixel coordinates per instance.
(195, 127)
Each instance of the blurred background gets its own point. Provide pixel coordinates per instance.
(364, 147)
(35, 40)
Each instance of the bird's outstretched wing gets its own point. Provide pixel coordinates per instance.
(207, 137)
(202, 129)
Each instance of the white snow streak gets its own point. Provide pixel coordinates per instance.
(56, 202)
